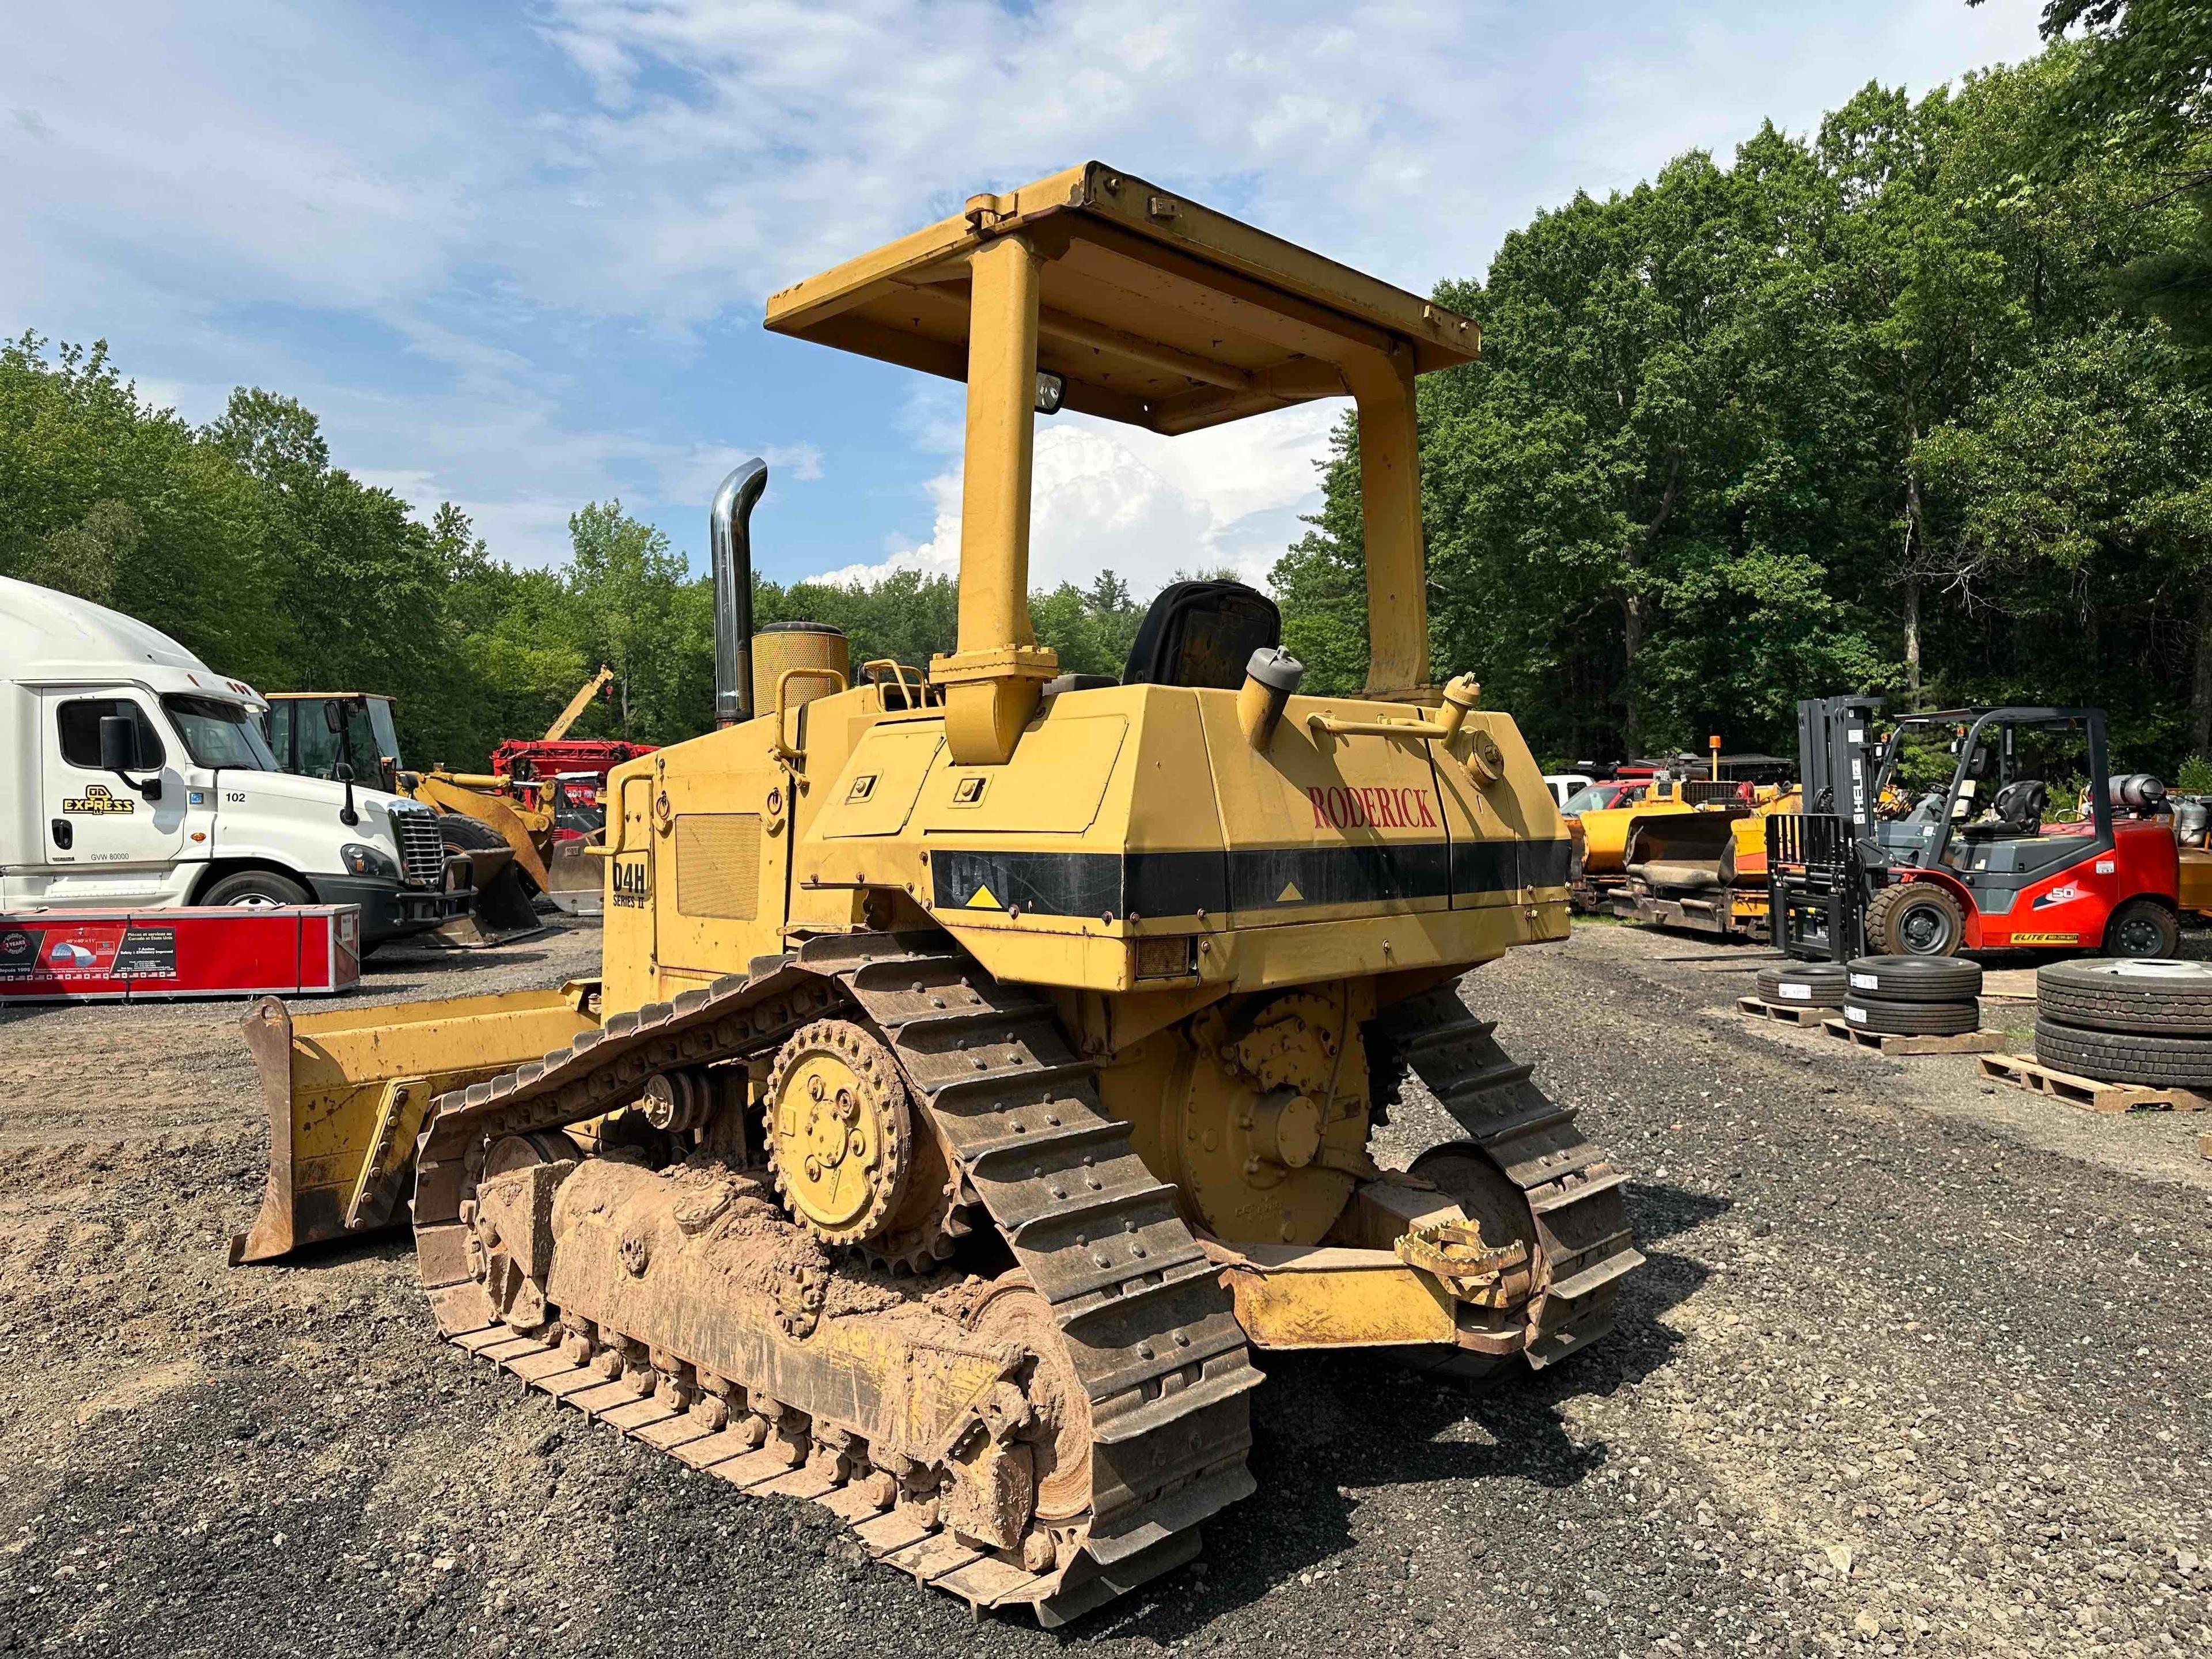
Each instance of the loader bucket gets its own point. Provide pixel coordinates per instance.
(347, 1090)
(503, 911)
(574, 875)
(1684, 852)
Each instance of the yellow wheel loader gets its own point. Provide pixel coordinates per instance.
(1604, 833)
(979, 1089)
(1688, 851)
(351, 734)
(509, 825)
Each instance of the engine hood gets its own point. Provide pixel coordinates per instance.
(374, 805)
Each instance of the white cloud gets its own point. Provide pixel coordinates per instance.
(255, 152)
(764, 140)
(1107, 496)
(466, 198)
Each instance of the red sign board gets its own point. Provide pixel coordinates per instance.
(68, 956)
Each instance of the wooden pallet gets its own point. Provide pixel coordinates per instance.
(1889, 1043)
(2092, 1096)
(1789, 1013)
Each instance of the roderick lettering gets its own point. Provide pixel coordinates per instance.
(1369, 807)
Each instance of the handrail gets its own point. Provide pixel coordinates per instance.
(1459, 696)
(783, 748)
(621, 818)
(917, 695)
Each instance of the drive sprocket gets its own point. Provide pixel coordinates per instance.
(853, 1162)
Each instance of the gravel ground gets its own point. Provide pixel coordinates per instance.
(1918, 1365)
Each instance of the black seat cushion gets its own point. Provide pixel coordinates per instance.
(2021, 804)
(2017, 809)
(1202, 633)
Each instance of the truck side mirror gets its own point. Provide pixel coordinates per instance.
(119, 743)
(119, 753)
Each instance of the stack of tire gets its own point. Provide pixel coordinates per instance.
(1912, 996)
(2146, 1020)
(1802, 985)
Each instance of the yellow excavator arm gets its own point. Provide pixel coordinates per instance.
(578, 704)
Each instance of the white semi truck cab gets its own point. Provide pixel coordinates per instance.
(132, 774)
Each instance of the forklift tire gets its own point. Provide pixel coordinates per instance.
(2128, 993)
(1803, 985)
(257, 890)
(2157, 1062)
(1916, 979)
(1866, 1014)
(2143, 928)
(1915, 919)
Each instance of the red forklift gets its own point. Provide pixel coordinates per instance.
(1968, 829)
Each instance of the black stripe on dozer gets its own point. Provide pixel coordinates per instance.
(1249, 878)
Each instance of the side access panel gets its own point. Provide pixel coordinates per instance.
(1324, 826)
(1509, 845)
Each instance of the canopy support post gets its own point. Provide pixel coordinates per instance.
(1390, 519)
(994, 681)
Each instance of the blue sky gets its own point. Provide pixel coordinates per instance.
(515, 256)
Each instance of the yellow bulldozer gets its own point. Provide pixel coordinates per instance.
(979, 1088)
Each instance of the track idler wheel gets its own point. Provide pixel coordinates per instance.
(855, 1162)
(678, 1101)
(1058, 1431)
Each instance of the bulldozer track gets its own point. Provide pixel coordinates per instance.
(1574, 1193)
(1147, 1328)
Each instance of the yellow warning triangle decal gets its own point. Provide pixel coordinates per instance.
(1290, 895)
(981, 899)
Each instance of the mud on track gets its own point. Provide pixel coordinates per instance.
(1917, 1367)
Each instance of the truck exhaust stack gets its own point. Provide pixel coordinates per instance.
(729, 531)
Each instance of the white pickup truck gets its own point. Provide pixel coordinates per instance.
(132, 774)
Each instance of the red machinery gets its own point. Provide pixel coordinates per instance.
(563, 777)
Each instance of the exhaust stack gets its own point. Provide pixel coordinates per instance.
(729, 534)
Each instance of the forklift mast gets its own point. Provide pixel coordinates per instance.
(1835, 756)
(1816, 858)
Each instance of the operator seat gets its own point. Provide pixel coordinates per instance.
(1202, 634)
(2015, 813)
(1197, 633)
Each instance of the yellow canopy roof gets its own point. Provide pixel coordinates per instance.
(1157, 310)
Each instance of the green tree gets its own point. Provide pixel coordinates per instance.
(114, 499)
(636, 609)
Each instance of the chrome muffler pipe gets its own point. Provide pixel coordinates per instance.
(729, 534)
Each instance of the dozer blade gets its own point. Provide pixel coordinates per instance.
(574, 876)
(347, 1091)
